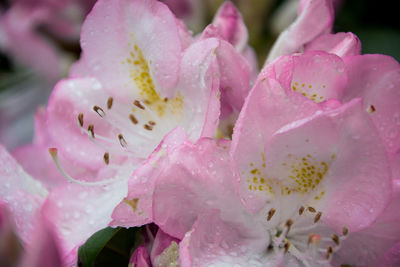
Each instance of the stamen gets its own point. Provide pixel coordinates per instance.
(289, 224)
(345, 231)
(138, 104)
(335, 239)
(287, 246)
(99, 111)
(80, 119)
(271, 213)
(301, 210)
(133, 119)
(54, 155)
(329, 251)
(91, 130)
(148, 127)
(106, 158)
(110, 102)
(122, 140)
(152, 123)
(311, 209)
(317, 217)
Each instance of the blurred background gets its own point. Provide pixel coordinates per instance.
(39, 40)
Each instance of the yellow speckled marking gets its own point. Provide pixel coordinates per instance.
(312, 96)
(140, 74)
(305, 177)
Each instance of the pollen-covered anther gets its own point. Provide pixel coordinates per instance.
(335, 239)
(91, 130)
(345, 231)
(301, 210)
(122, 140)
(289, 224)
(152, 123)
(148, 127)
(329, 251)
(110, 101)
(286, 246)
(371, 109)
(138, 104)
(99, 111)
(133, 119)
(311, 209)
(106, 158)
(317, 217)
(271, 213)
(80, 119)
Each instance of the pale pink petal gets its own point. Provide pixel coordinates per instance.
(230, 26)
(22, 194)
(69, 98)
(266, 110)
(10, 247)
(198, 178)
(76, 218)
(140, 258)
(342, 44)
(161, 242)
(215, 242)
(376, 78)
(41, 136)
(369, 246)
(199, 83)
(118, 34)
(136, 207)
(43, 249)
(392, 258)
(315, 18)
(235, 78)
(318, 76)
(80, 68)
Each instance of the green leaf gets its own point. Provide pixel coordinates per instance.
(109, 247)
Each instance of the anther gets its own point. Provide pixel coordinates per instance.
(166, 99)
(138, 104)
(110, 101)
(317, 217)
(371, 109)
(287, 246)
(80, 119)
(311, 209)
(271, 213)
(335, 239)
(152, 123)
(301, 210)
(148, 127)
(345, 231)
(106, 158)
(288, 224)
(133, 119)
(122, 140)
(91, 130)
(99, 111)
(329, 251)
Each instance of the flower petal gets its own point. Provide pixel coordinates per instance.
(198, 178)
(315, 18)
(123, 40)
(342, 44)
(376, 78)
(76, 218)
(215, 242)
(266, 110)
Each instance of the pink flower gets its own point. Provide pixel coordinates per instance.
(298, 182)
